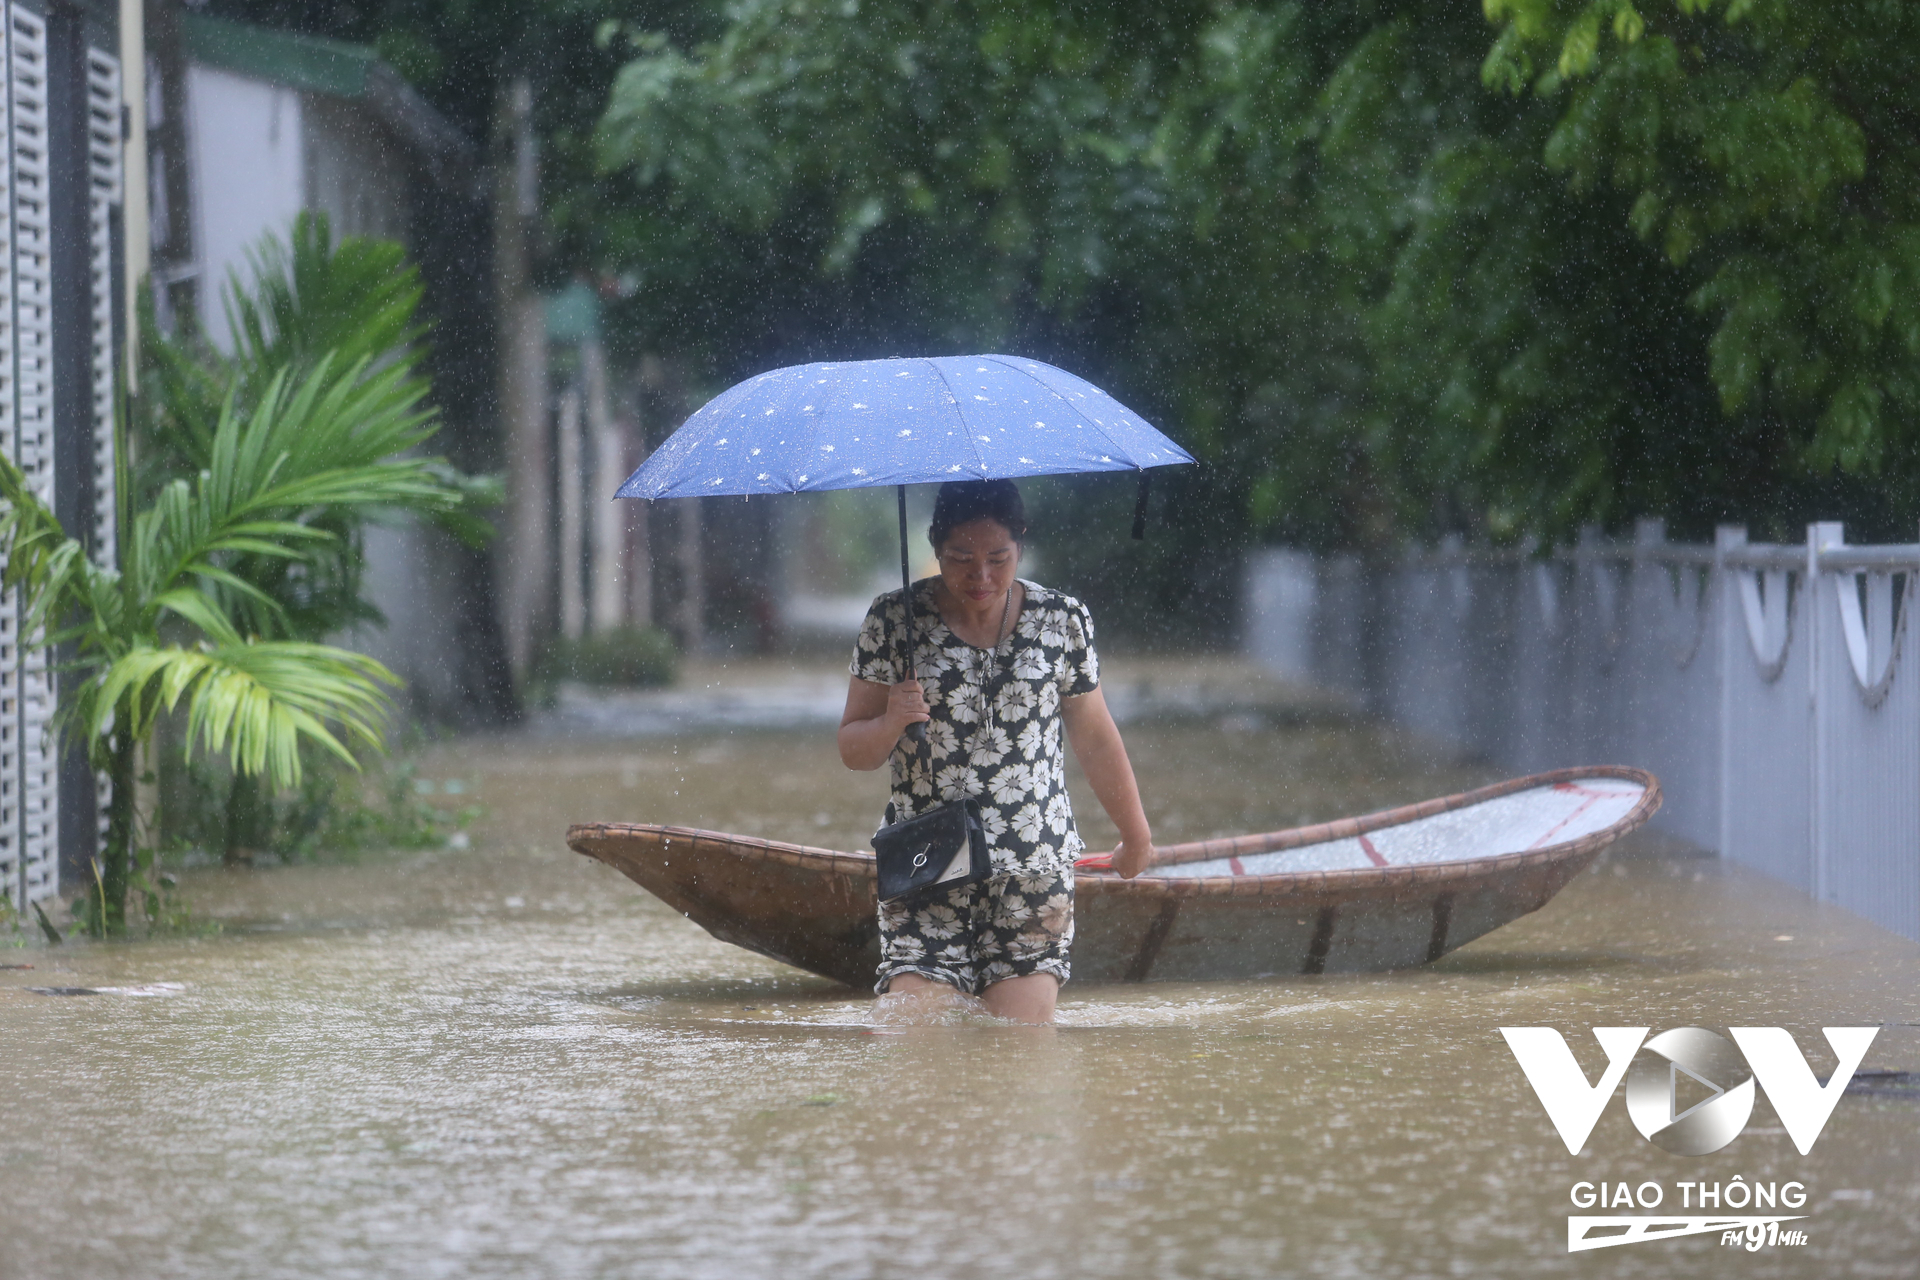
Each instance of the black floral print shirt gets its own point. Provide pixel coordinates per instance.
(1013, 760)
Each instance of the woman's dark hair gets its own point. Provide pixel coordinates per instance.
(962, 501)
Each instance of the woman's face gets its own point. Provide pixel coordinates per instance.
(978, 561)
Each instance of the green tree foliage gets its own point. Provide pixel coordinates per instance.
(1769, 152)
(828, 182)
(344, 316)
(1385, 266)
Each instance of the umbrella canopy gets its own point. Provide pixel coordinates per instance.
(866, 423)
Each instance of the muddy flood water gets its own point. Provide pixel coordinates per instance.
(508, 1061)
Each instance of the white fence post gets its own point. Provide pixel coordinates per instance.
(1867, 733)
(1821, 537)
(1726, 538)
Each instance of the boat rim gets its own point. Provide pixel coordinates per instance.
(1409, 874)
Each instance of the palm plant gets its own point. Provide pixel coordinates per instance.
(309, 308)
(305, 300)
(342, 310)
(176, 624)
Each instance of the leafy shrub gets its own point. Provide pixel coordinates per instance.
(632, 657)
(334, 813)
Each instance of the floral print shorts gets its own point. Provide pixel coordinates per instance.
(974, 935)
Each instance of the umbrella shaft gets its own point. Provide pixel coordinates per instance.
(906, 574)
(915, 732)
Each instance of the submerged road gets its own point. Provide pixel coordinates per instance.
(507, 1061)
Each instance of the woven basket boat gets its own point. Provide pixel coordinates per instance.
(1385, 891)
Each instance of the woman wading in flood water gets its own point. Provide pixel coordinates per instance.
(1001, 665)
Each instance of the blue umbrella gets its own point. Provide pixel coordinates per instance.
(865, 423)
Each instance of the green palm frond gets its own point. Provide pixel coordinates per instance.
(256, 702)
(353, 302)
(310, 445)
(280, 480)
(356, 299)
(52, 570)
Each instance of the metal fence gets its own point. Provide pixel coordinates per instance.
(1768, 685)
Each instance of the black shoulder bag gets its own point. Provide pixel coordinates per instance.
(946, 845)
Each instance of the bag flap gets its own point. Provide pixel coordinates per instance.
(910, 856)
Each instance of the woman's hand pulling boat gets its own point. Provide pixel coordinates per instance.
(1130, 859)
(1103, 756)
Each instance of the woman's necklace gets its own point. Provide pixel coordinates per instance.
(1000, 633)
(993, 661)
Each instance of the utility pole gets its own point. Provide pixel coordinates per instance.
(526, 555)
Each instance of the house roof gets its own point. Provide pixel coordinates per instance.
(336, 69)
(332, 67)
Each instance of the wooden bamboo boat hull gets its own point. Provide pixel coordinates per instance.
(1384, 891)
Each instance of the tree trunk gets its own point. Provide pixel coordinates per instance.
(607, 609)
(245, 797)
(526, 552)
(693, 579)
(573, 554)
(108, 896)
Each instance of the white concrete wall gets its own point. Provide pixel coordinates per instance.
(248, 163)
